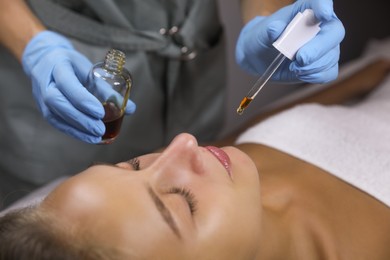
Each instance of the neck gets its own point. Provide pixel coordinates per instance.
(292, 232)
(309, 214)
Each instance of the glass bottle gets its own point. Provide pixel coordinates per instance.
(110, 82)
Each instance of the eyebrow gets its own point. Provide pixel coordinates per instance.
(165, 213)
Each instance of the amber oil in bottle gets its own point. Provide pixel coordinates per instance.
(110, 82)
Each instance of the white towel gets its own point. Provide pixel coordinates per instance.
(352, 143)
(343, 142)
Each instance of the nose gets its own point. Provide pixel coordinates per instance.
(182, 156)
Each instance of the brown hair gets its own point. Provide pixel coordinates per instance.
(29, 234)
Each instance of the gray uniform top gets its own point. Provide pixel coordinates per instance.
(175, 53)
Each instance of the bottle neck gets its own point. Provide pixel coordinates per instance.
(114, 60)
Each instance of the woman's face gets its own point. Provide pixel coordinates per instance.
(189, 202)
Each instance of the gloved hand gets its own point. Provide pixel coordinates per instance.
(58, 73)
(315, 62)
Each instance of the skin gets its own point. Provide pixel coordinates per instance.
(357, 85)
(296, 214)
(270, 206)
(253, 8)
(16, 33)
(300, 211)
(227, 210)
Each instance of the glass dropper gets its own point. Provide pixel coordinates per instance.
(301, 29)
(260, 83)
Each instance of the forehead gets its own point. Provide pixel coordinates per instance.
(96, 189)
(114, 208)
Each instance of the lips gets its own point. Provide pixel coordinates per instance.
(222, 157)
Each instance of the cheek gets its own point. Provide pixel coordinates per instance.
(230, 237)
(229, 224)
(244, 170)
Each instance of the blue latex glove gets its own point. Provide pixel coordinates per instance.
(58, 73)
(315, 62)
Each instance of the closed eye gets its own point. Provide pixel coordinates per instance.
(188, 196)
(135, 163)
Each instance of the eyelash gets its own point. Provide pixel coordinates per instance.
(188, 195)
(135, 163)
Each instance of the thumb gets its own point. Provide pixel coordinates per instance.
(130, 107)
(275, 29)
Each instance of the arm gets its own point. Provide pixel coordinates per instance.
(252, 8)
(57, 71)
(357, 85)
(40, 51)
(18, 26)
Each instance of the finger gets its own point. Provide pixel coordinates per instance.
(329, 37)
(248, 44)
(275, 29)
(130, 107)
(82, 66)
(65, 128)
(285, 74)
(322, 76)
(323, 9)
(70, 86)
(323, 63)
(61, 107)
